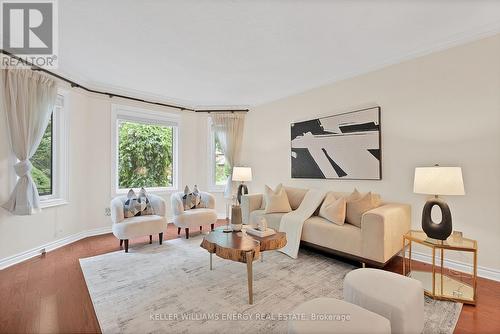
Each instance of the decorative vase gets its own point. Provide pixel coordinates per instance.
(236, 218)
(262, 224)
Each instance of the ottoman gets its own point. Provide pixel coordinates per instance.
(329, 315)
(397, 298)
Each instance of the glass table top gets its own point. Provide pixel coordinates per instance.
(453, 242)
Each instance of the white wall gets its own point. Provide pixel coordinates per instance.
(90, 173)
(440, 108)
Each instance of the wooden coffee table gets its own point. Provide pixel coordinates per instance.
(241, 247)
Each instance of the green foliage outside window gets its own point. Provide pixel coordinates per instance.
(42, 163)
(145, 156)
(222, 169)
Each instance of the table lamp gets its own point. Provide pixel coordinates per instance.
(437, 181)
(242, 174)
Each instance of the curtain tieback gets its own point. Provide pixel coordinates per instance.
(22, 168)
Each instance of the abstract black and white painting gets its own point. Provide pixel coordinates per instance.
(343, 146)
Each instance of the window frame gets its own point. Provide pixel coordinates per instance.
(150, 117)
(212, 185)
(60, 121)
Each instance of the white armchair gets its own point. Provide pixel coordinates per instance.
(195, 217)
(138, 226)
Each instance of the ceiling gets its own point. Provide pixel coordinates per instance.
(245, 53)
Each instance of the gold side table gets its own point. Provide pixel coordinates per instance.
(439, 285)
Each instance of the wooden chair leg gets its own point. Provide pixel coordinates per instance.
(126, 245)
(121, 243)
(150, 239)
(160, 237)
(187, 232)
(178, 231)
(212, 227)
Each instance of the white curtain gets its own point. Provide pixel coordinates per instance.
(228, 127)
(27, 99)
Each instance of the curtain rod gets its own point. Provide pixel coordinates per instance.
(111, 95)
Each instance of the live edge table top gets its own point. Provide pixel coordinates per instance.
(235, 245)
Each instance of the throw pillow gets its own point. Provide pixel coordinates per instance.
(295, 196)
(197, 197)
(354, 196)
(144, 203)
(276, 201)
(333, 209)
(187, 200)
(130, 207)
(356, 209)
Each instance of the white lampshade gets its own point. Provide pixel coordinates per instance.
(242, 174)
(438, 181)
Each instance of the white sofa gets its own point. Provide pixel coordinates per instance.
(375, 243)
(194, 217)
(138, 226)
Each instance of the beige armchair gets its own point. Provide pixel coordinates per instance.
(127, 228)
(194, 217)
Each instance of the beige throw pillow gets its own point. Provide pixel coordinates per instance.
(333, 209)
(356, 209)
(354, 196)
(276, 201)
(295, 196)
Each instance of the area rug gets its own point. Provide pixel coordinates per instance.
(169, 288)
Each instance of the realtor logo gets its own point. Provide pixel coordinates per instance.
(29, 30)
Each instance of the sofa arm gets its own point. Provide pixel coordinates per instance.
(208, 199)
(249, 203)
(117, 214)
(176, 203)
(382, 231)
(158, 204)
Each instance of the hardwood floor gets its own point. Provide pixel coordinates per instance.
(48, 294)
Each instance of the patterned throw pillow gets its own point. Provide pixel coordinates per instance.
(192, 200)
(187, 200)
(130, 207)
(144, 204)
(196, 197)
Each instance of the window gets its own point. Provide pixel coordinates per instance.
(219, 168)
(50, 159)
(145, 150)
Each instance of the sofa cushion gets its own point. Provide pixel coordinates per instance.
(139, 226)
(356, 209)
(333, 209)
(345, 238)
(196, 217)
(273, 219)
(276, 200)
(295, 196)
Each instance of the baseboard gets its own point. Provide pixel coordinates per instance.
(221, 215)
(26, 255)
(483, 272)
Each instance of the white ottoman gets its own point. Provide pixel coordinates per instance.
(395, 297)
(337, 316)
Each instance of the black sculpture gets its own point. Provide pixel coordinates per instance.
(442, 230)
